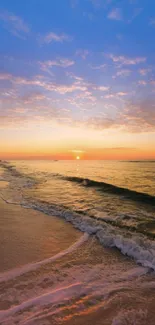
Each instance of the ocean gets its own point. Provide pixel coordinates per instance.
(98, 221)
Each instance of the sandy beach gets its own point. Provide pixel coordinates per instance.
(82, 286)
(28, 236)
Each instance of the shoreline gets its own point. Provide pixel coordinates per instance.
(28, 236)
(56, 274)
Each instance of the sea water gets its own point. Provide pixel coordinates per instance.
(109, 271)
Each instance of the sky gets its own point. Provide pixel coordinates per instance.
(77, 79)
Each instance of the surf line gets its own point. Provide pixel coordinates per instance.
(9, 275)
(51, 297)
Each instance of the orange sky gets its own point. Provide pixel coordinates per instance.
(64, 142)
(89, 154)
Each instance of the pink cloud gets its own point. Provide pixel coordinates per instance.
(54, 37)
(125, 60)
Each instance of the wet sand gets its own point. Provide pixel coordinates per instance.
(27, 235)
(90, 285)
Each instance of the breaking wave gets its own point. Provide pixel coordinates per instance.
(112, 189)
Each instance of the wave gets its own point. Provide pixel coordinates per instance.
(129, 240)
(113, 189)
(133, 244)
(139, 161)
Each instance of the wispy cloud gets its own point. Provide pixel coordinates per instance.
(136, 118)
(82, 53)
(144, 72)
(50, 86)
(140, 117)
(122, 73)
(142, 82)
(39, 103)
(5, 76)
(54, 37)
(115, 14)
(77, 151)
(102, 88)
(122, 60)
(121, 93)
(14, 24)
(47, 65)
(116, 95)
(32, 97)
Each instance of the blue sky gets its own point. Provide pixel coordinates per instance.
(87, 64)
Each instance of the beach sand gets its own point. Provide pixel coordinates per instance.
(27, 235)
(82, 287)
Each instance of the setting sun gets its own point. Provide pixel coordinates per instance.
(77, 157)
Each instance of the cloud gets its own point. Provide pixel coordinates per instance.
(32, 97)
(30, 108)
(82, 53)
(37, 106)
(5, 76)
(53, 37)
(50, 86)
(122, 73)
(140, 116)
(101, 123)
(78, 85)
(102, 88)
(64, 63)
(136, 118)
(40, 93)
(115, 95)
(121, 93)
(142, 82)
(77, 151)
(125, 60)
(144, 72)
(14, 24)
(71, 75)
(115, 14)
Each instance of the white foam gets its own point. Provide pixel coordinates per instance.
(137, 247)
(57, 295)
(131, 244)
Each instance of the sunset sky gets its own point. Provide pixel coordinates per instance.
(77, 78)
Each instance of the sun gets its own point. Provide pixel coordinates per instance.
(77, 157)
